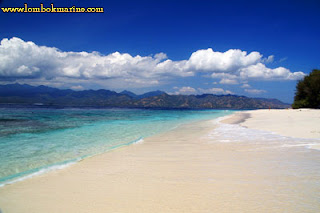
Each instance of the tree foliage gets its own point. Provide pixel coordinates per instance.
(308, 91)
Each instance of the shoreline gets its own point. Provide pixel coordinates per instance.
(183, 170)
(60, 165)
(236, 118)
(65, 164)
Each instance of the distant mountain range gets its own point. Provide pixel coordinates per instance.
(43, 95)
(145, 95)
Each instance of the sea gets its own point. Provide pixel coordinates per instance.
(35, 140)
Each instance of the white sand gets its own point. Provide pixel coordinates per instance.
(301, 123)
(183, 170)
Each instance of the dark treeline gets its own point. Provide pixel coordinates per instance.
(308, 91)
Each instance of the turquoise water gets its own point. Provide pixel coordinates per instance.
(39, 139)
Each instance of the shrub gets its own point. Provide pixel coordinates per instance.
(308, 91)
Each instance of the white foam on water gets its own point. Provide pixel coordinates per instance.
(139, 141)
(39, 172)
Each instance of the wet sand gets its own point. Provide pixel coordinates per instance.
(184, 170)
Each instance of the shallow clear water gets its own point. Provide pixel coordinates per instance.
(38, 139)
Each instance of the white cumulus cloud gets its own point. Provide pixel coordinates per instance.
(20, 59)
(260, 71)
(216, 91)
(245, 85)
(228, 81)
(255, 91)
(233, 59)
(78, 87)
(27, 61)
(190, 90)
(269, 59)
(185, 90)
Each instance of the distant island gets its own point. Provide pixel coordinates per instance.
(48, 96)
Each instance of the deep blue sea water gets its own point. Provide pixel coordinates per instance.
(34, 140)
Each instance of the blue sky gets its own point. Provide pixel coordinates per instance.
(252, 48)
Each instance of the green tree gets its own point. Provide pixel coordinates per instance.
(308, 91)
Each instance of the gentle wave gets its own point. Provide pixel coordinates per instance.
(138, 141)
(58, 166)
(35, 172)
(54, 137)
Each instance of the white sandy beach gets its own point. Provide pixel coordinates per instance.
(301, 123)
(187, 170)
